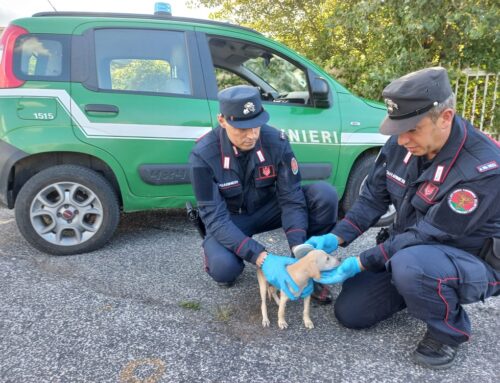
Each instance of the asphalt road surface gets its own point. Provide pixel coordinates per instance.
(143, 310)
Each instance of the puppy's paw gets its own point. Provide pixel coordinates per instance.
(265, 322)
(282, 324)
(308, 323)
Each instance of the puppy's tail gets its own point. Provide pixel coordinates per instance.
(271, 293)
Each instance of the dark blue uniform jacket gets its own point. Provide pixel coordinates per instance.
(455, 201)
(223, 189)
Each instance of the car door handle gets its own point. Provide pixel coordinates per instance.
(101, 108)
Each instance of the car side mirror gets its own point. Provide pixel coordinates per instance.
(320, 92)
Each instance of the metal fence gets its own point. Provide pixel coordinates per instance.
(477, 93)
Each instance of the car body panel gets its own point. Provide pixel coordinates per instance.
(146, 138)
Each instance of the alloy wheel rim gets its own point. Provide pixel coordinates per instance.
(66, 213)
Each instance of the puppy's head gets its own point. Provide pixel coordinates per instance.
(325, 261)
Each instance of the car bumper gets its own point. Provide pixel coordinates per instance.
(9, 155)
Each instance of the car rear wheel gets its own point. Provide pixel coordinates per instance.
(357, 179)
(67, 209)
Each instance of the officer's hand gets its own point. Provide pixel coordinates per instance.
(327, 242)
(347, 269)
(274, 269)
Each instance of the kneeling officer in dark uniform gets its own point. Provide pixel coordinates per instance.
(246, 180)
(443, 251)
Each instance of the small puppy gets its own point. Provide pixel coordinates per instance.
(309, 266)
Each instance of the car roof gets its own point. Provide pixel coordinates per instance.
(144, 16)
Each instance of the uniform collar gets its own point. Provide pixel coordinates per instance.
(447, 156)
(230, 153)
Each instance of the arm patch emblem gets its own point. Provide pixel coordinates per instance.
(463, 201)
(294, 166)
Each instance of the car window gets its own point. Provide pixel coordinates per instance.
(241, 62)
(226, 79)
(126, 63)
(42, 57)
(282, 75)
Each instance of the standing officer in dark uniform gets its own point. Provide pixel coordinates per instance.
(246, 180)
(443, 176)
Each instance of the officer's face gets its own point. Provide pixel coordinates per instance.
(429, 136)
(243, 139)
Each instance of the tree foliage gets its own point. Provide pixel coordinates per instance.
(367, 43)
(140, 75)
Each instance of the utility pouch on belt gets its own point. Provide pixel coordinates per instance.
(490, 253)
(194, 217)
(382, 235)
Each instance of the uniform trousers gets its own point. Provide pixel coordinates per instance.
(432, 281)
(322, 206)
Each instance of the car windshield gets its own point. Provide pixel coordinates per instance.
(281, 75)
(239, 62)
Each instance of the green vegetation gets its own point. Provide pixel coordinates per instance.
(190, 305)
(366, 44)
(223, 313)
(143, 75)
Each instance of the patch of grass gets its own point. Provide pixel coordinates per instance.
(223, 313)
(106, 308)
(190, 305)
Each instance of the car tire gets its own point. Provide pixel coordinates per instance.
(357, 178)
(67, 209)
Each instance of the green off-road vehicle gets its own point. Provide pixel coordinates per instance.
(98, 113)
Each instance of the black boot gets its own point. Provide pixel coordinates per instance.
(321, 294)
(433, 354)
(226, 285)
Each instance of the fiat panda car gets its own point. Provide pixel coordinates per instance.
(98, 114)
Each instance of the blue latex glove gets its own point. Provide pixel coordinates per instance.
(327, 242)
(274, 269)
(347, 269)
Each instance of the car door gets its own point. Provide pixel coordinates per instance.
(285, 81)
(140, 96)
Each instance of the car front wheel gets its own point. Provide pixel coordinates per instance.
(357, 179)
(67, 209)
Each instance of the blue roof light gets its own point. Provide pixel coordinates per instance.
(163, 9)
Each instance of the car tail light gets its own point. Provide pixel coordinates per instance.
(7, 42)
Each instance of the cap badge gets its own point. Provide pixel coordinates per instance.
(391, 105)
(249, 107)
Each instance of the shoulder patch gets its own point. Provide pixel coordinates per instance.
(294, 166)
(487, 166)
(463, 201)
